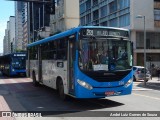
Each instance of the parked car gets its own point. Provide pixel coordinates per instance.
(139, 73)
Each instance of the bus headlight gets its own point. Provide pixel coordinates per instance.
(85, 85)
(129, 82)
(13, 70)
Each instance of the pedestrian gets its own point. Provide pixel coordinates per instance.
(104, 58)
(158, 73)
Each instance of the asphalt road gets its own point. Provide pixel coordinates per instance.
(20, 95)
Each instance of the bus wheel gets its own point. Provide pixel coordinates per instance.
(35, 83)
(61, 90)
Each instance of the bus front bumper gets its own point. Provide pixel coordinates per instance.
(103, 92)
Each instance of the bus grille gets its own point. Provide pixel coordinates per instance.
(102, 76)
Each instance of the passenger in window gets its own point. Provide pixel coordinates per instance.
(104, 58)
(95, 57)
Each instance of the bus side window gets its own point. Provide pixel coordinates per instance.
(62, 49)
(52, 52)
(32, 53)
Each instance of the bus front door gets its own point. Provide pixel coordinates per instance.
(71, 59)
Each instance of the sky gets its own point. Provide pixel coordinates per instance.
(6, 10)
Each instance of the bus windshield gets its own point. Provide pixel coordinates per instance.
(19, 62)
(105, 54)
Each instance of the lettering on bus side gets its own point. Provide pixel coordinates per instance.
(60, 64)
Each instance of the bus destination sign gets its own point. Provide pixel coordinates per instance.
(104, 32)
(19, 54)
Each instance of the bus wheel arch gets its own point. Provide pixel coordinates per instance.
(60, 88)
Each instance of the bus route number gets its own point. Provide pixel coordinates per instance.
(89, 32)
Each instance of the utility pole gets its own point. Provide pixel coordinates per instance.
(144, 30)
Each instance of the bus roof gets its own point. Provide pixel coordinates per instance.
(69, 32)
(11, 54)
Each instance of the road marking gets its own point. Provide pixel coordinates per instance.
(3, 104)
(2, 82)
(141, 89)
(146, 96)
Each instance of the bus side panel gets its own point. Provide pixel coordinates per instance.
(64, 70)
(53, 69)
(47, 71)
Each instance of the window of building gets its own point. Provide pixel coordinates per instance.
(88, 4)
(139, 40)
(113, 22)
(155, 44)
(157, 14)
(83, 20)
(157, 23)
(123, 4)
(124, 20)
(95, 23)
(88, 18)
(95, 15)
(156, 4)
(103, 11)
(152, 40)
(113, 6)
(104, 23)
(95, 2)
(82, 8)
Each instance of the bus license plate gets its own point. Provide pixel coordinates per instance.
(109, 93)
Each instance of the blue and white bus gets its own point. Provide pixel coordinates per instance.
(13, 64)
(71, 62)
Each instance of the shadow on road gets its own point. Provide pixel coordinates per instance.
(24, 97)
(150, 85)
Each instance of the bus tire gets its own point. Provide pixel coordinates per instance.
(61, 90)
(35, 83)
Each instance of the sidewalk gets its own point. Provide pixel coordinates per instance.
(151, 84)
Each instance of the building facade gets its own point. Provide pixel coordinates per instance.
(9, 38)
(123, 13)
(5, 45)
(6, 41)
(19, 28)
(25, 25)
(12, 33)
(66, 16)
(37, 21)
